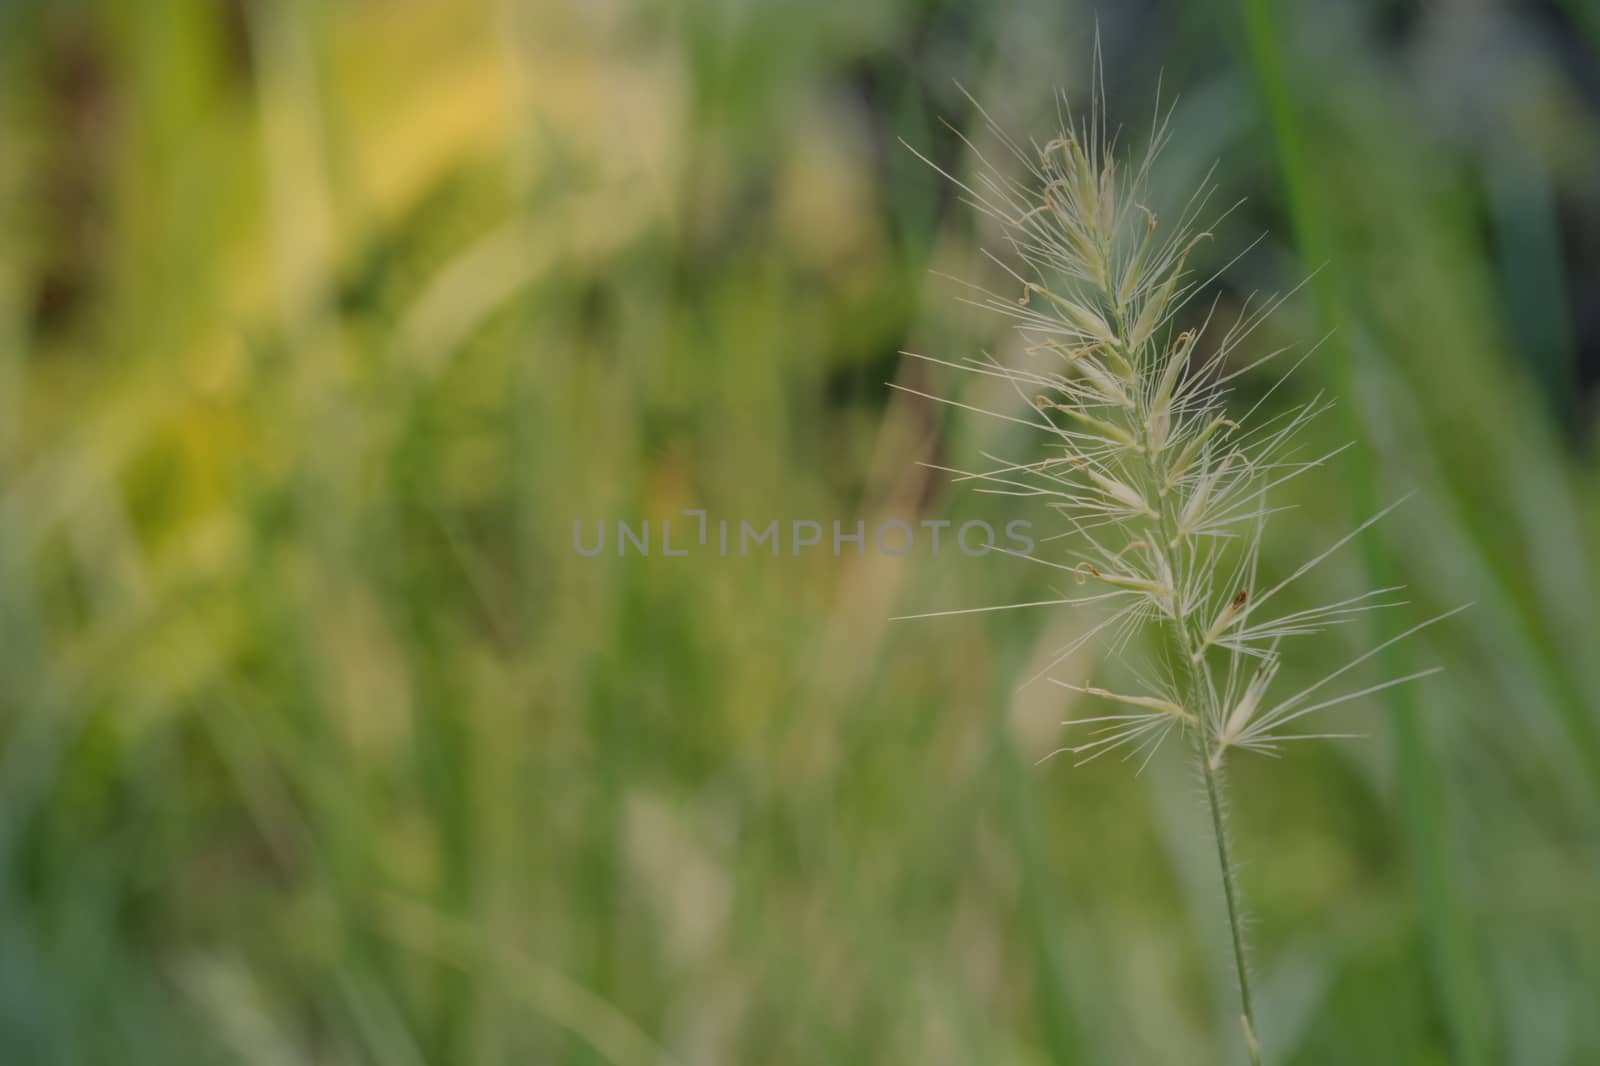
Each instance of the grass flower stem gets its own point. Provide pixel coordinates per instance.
(1166, 493)
(1209, 742)
(1206, 748)
(1230, 890)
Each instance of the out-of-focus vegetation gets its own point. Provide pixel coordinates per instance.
(321, 323)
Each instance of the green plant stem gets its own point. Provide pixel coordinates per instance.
(1230, 889)
(1201, 699)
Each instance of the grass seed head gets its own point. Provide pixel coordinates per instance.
(1164, 495)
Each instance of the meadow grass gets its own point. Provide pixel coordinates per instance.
(318, 743)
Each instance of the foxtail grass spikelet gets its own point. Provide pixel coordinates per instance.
(1161, 493)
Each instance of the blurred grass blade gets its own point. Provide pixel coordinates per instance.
(1460, 983)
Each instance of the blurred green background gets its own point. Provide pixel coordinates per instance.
(320, 324)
